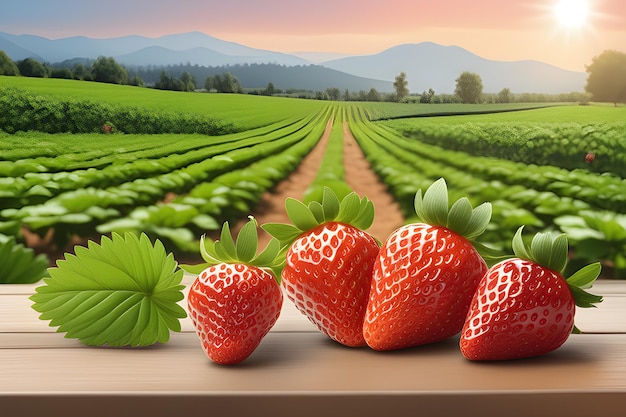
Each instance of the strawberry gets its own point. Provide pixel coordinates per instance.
(426, 273)
(235, 300)
(329, 262)
(523, 306)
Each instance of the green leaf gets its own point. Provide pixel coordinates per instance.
(122, 292)
(586, 276)
(349, 208)
(283, 232)
(18, 264)
(226, 244)
(247, 242)
(300, 215)
(330, 204)
(432, 208)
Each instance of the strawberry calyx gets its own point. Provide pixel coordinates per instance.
(551, 252)
(241, 250)
(352, 210)
(433, 208)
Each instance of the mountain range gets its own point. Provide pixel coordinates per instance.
(426, 65)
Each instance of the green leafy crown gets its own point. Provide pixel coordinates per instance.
(242, 250)
(551, 252)
(433, 208)
(358, 212)
(123, 292)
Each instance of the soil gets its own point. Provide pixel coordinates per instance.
(358, 175)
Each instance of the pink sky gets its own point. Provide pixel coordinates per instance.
(494, 29)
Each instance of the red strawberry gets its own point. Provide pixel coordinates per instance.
(426, 273)
(523, 306)
(235, 301)
(329, 262)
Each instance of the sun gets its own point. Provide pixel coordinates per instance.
(572, 13)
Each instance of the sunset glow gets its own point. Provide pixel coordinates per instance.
(565, 33)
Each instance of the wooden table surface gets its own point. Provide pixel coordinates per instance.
(297, 371)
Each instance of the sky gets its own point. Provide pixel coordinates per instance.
(494, 29)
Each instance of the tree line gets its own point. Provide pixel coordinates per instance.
(606, 82)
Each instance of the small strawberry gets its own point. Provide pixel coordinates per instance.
(426, 273)
(329, 262)
(235, 300)
(523, 306)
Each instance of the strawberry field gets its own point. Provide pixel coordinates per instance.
(78, 160)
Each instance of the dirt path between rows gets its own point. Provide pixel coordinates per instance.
(358, 175)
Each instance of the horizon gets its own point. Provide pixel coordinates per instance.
(533, 30)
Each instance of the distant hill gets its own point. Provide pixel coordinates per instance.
(299, 77)
(195, 47)
(429, 65)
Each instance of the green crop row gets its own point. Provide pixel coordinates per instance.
(227, 197)
(34, 187)
(560, 144)
(520, 194)
(79, 209)
(22, 111)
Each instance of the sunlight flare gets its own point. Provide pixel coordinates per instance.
(572, 13)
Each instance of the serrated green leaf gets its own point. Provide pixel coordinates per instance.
(122, 292)
(365, 216)
(19, 265)
(433, 207)
(584, 299)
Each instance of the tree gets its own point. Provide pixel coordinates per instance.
(227, 83)
(333, 93)
(209, 84)
(7, 66)
(607, 77)
(469, 87)
(187, 81)
(373, 95)
(400, 84)
(31, 68)
(427, 96)
(270, 90)
(81, 73)
(107, 70)
(504, 96)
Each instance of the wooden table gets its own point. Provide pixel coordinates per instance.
(297, 371)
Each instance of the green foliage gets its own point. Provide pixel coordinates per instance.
(400, 85)
(123, 292)
(22, 111)
(469, 87)
(108, 70)
(607, 77)
(538, 143)
(7, 66)
(19, 264)
(30, 67)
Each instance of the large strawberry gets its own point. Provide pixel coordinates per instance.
(329, 262)
(426, 273)
(523, 306)
(236, 299)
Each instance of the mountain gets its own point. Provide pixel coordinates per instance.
(429, 65)
(130, 50)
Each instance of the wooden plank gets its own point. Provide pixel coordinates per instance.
(18, 316)
(587, 376)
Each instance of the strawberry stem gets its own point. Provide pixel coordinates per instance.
(242, 250)
(358, 212)
(551, 252)
(433, 208)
